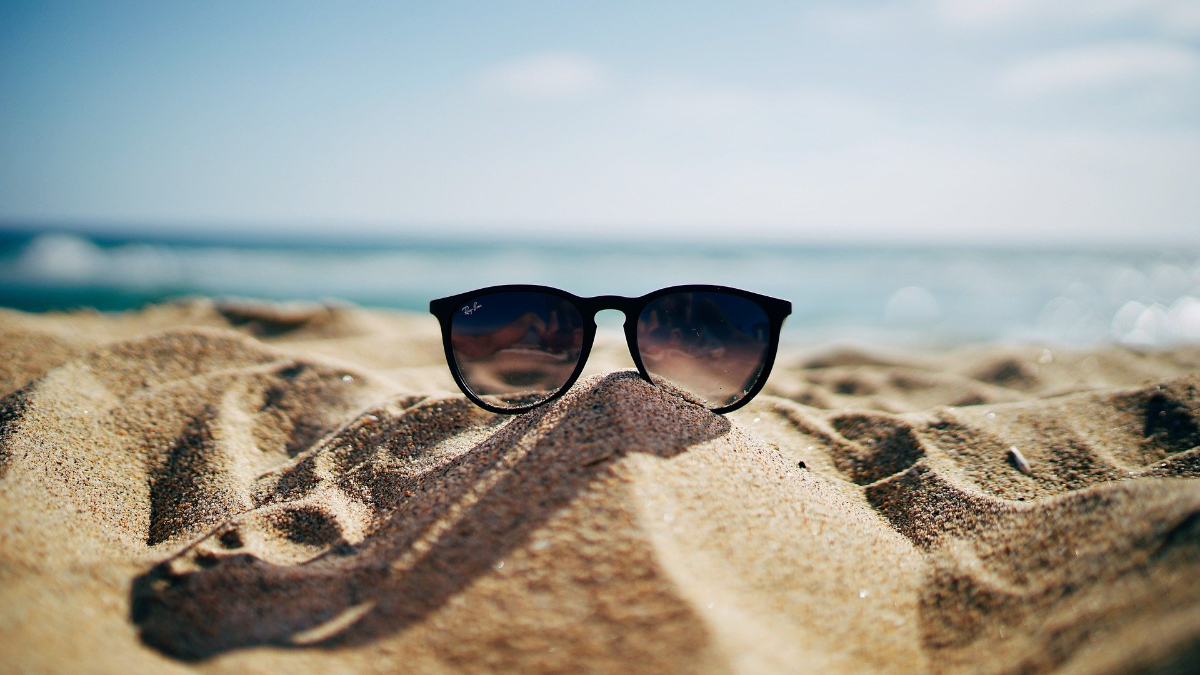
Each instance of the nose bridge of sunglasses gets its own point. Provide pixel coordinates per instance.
(610, 351)
(610, 320)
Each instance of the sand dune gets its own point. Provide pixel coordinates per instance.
(260, 488)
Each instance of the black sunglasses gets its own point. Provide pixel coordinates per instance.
(513, 348)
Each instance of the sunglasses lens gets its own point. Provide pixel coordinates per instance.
(712, 344)
(516, 348)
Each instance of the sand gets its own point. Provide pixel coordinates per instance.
(223, 488)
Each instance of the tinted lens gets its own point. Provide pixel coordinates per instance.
(711, 344)
(519, 347)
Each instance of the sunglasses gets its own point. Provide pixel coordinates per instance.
(513, 348)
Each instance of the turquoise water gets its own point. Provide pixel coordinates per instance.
(922, 296)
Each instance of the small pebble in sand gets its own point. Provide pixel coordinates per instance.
(1019, 460)
(991, 416)
(499, 565)
(801, 464)
(863, 593)
(347, 378)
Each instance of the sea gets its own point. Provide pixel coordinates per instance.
(911, 296)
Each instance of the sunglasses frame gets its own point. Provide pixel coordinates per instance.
(445, 308)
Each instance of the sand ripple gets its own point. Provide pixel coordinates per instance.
(247, 487)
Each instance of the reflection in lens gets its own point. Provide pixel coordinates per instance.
(520, 347)
(711, 344)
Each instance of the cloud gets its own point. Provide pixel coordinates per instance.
(1181, 17)
(990, 13)
(551, 75)
(862, 21)
(983, 13)
(1099, 68)
(688, 101)
(1176, 17)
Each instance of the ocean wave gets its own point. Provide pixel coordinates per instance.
(879, 295)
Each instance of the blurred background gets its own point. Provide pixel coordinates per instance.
(928, 172)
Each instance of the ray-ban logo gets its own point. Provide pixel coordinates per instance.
(474, 307)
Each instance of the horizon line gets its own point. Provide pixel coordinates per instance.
(359, 234)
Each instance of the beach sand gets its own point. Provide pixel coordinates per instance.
(245, 488)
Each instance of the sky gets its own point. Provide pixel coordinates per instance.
(966, 121)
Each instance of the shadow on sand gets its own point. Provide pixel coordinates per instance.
(440, 519)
